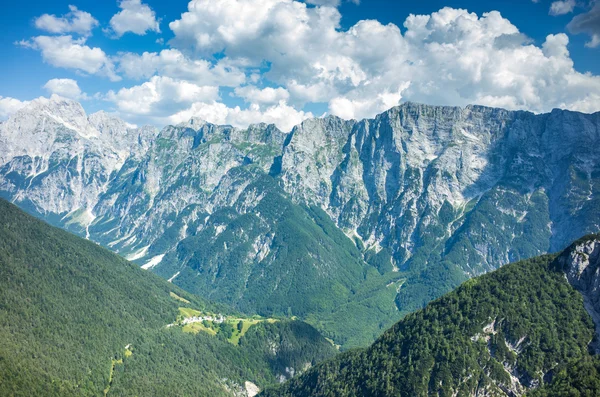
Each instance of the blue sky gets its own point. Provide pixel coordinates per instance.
(243, 61)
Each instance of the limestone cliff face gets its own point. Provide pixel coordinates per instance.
(469, 182)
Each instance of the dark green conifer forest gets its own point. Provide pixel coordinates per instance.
(78, 320)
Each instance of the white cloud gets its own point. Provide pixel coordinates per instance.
(254, 30)
(8, 106)
(562, 7)
(449, 57)
(173, 63)
(588, 23)
(314, 92)
(330, 3)
(282, 115)
(302, 55)
(66, 52)
(163, 100)
(161, 96)
(134, 17)
(76, 21)
(67, 88)
(358, 107)
(594, 41)
(265, 96)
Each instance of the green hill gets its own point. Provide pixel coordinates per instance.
(501, 334)
(76, 319)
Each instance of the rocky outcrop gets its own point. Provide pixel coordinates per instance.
(581, 264)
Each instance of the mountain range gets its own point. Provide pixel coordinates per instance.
(348, 225)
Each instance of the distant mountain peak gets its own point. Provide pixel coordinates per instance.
(195, 123)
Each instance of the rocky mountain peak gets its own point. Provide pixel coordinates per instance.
(56, 104)
(57, 109)
(59, 160)
(195, 123)
(107, 122)
(582, 260)
(261, 133)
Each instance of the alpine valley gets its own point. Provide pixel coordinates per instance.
(347, 225)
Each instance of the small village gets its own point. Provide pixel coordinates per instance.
(218, 319)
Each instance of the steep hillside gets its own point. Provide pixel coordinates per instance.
(342, 213)
(580, 378)
(500, 334)
(76, 319)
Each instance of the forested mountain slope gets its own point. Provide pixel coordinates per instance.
(76, 319)
(502, 334)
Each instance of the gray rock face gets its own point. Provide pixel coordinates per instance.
(57, 161)
(581, 264)
(418, 171)
(426, 196)
(183, 175)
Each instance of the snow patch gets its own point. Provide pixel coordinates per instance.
(138, 254)
(153, 262)
(219, 229)
(115, 242)
(173, 278)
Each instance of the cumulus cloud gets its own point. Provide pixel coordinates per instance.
(134, 17)
(306, 52)
(173, 63)
(285, 117)
(265, 96)
(69, 53)
(588, 23)
(330, 3)
(358, 107)
(562, 7)
(451, 57)
(8, 106)
(76, 21)
(279, 55)
(163, 100)
(254, 30)
(161, 96)
(67, 88)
